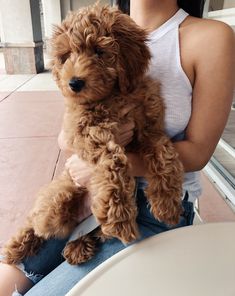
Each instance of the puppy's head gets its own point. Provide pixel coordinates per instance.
(95, 50)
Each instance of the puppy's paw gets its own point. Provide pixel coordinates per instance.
(170, 215)
(126, 231)
(80, 250)
(25, 244)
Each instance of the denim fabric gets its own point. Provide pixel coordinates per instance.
(16, 293)
(60, 277)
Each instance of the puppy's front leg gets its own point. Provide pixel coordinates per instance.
(112, 189)
(164, 176)
(113, 201)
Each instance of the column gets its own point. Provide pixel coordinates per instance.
(51, 16)
(21, 36)
(65, 7)
(206, 8)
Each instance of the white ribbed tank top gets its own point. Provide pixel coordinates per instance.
(176, 88)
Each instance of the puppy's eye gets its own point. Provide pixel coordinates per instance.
(98, 51)
(64, 57)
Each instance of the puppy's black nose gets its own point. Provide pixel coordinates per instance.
(76, 84)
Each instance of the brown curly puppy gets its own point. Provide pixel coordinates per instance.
(99, 61)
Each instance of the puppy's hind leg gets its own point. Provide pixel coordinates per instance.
(56, 209)
(24, 244)
(81, 249)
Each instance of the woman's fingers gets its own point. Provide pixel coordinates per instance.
(71, 161)
(125, 110)
(128, 135)
(126, 138)
(126, 127)
(79, 170)
(125, 133)
(126, 142)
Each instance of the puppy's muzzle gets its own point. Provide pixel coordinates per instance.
(76, 84)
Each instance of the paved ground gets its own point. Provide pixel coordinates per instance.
(31, 111)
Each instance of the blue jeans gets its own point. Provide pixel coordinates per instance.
(56, 277)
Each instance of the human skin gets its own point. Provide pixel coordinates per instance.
(207, 57)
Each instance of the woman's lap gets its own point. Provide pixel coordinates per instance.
(65, 276)
(62, 278)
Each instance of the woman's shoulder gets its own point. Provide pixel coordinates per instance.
(204, 42)
(206, 39)
(205, 31)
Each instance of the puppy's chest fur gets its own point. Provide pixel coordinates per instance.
(80, 121)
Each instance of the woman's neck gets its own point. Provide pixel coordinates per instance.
(151, 14)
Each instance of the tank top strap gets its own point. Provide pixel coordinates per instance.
(172, 23)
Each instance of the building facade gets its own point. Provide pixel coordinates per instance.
(222, 10)
(26, 25)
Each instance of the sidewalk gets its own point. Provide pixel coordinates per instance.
(31, 109)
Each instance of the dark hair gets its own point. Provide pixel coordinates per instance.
(192, 7)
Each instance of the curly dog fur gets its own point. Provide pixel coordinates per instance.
(99, 60)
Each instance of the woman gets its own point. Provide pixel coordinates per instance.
(194, 60)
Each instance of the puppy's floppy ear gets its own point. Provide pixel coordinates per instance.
(134, 55)
(60, 47)
(59, 50)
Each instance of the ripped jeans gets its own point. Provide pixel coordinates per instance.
(51, 275)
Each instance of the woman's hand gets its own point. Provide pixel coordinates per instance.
(62, 142)
(125, 132)
(79, 170)
(80, 173)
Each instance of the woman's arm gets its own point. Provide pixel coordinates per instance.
(213, 57)
(214, 65)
